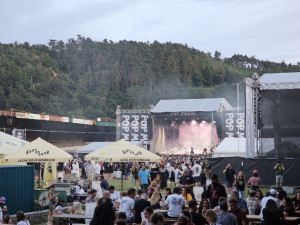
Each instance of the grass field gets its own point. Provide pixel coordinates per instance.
(129, 184)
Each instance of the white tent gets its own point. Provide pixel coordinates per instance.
(231, 147)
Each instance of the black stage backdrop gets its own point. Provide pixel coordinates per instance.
(265, 168)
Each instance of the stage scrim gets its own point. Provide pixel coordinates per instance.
(181, 124)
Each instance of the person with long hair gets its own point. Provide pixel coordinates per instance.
(135, 172)
(211, 217)
(240, 184)
(187, 214)
(296, 200)
(288, 207)
(155, 184)
(208, 179)
(272, 214)
(254, 181)
(184, 193)
(148, 212)
(252, 202)
(155, 200)
(204, 205)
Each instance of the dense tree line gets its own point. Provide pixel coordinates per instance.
(86, 78)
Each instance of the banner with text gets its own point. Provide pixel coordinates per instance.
(234, 123)
(134, 126)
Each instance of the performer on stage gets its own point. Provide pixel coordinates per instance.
(192, 151)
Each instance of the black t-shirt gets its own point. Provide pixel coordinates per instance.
(127, 167)
(139, 207)
(187, 180)
(230, 174)
(198, 219)
(220, 192)
(60, 167)
(272, 216)
(297, 203)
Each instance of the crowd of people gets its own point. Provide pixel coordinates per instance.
(152, 202)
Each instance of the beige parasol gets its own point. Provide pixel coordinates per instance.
(123, 151)
(38, 151)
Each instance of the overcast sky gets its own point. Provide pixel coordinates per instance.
(267, 29)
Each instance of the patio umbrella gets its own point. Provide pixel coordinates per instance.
(38, 151)
(123, 151)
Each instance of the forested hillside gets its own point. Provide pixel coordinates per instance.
(85, 78)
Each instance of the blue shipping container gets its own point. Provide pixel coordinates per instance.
(17, 186)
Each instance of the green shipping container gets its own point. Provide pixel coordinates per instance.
(17, 186)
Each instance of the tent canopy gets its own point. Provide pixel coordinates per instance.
(280, 81)
(231, 147)
(38, 151)
(191, 105)
(97, 145)
(123, 151)
(9, 144)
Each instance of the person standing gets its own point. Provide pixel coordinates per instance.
(215, 191)
(196, 172)
(230, 176)
(144, 176)
(127, 205)
(53, 200)
(240, 184)
(279, 169)
(254, 181)
(97, 169)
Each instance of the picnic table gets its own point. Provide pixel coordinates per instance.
(258, 217)
(72, 216)
(161, 211)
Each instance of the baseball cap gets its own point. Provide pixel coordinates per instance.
(3, 199)
(273, 192)
(254, 171)
(214, 176)
(58, 208)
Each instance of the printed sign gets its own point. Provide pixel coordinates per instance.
(19, 133)
(234, 123)
(134, 126)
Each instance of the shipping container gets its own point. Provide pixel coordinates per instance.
(17, 186)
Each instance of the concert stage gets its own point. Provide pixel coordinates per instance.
(181, 124)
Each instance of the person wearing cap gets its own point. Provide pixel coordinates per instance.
(224, 217)
(197, 218)
(254, 181)
(59, 221)
(175, 203)
(114, 195)
(214, 191)
(272, 196)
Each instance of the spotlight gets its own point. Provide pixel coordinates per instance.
(193, 122)
(203, 121)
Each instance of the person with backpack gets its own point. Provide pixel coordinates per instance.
(214, 191)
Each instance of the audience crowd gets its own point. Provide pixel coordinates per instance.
(153, 203)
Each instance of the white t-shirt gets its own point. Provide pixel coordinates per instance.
(265, 200)
(1, 215)
(75, 168)
(97, 168)
(23, 222)
(115, 197)
(126, 205)
(176, 172)
(197, 170)
(175, 203)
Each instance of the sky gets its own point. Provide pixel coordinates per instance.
(266, 29)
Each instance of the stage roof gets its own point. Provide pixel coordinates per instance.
(280, 81)
(191, 105)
